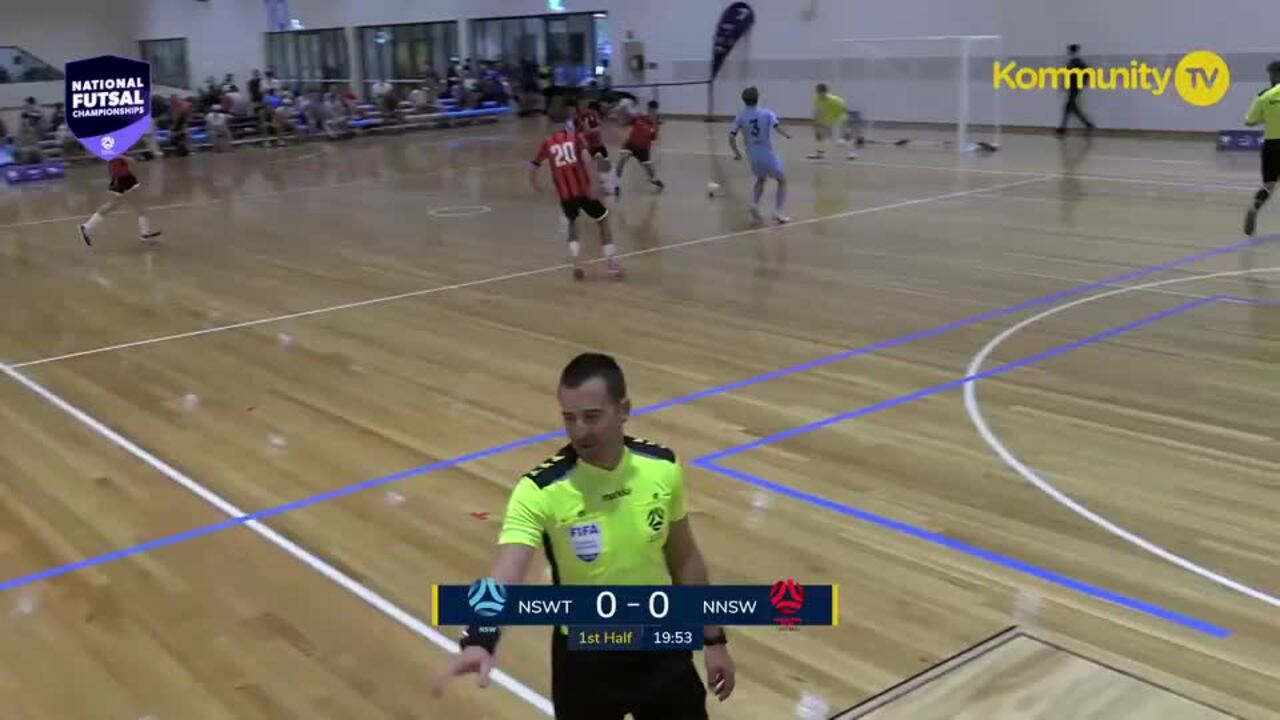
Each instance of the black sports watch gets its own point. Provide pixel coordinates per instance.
(717, 639)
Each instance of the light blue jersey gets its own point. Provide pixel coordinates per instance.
(757, 124)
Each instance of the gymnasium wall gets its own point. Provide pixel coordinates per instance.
(790, 49)
(58, 31)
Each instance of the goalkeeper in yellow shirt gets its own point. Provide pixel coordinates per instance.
(830, 119)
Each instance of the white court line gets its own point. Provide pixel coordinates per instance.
(378, 602)
(274, 193)
(974, 410)
(1151, 159)
(524, 273)
(992, 171)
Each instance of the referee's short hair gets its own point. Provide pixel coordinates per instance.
(593, 365)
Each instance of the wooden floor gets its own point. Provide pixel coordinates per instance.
(324, 316)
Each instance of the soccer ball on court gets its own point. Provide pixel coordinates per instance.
(712, 189)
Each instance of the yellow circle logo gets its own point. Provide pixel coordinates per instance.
(1202, 78)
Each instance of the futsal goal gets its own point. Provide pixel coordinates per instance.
(932, 91)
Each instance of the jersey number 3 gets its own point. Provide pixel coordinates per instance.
(564, 154)
(755, 127)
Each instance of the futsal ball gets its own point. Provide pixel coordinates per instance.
(712, 189)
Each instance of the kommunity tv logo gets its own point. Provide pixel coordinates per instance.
(1201, 78)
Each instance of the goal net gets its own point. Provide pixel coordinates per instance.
(927, 91)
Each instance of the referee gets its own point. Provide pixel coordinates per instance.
(1265, 111)
(608, 509)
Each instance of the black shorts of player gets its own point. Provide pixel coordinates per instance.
(642, 154)
(589, 205)
(1270, 161)
(606, 685)
(599, 151)
(122, 185)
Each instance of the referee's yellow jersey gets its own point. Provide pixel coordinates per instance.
(600, 527)
(1265, 111)
(830, 110)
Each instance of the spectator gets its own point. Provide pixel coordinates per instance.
(272, 84)
(31, 115)
(219, 130)
(282, 121)
(180, 128)
(255, 88)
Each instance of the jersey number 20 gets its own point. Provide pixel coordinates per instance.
(564, 154)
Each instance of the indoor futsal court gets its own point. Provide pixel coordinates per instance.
(1020, 406)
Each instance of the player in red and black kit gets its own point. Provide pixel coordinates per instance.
(644, 132)
(591, 127)
(568, 155)
(123, 182)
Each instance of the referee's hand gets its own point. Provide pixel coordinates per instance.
(720, 671)
(471, 660)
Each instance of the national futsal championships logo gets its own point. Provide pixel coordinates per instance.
(487, 597)
(1201, 78)
(108, 103)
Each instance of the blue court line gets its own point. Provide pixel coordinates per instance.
(1237, 300)
(981, 553)
(709, 462)
(673, 402)
(952, 384)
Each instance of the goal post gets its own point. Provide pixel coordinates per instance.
(893, 83)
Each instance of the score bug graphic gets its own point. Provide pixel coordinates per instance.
(787, 597)
(784, 602)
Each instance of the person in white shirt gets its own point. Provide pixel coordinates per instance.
(215, 121)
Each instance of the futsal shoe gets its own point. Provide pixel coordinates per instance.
(84, 235)
(150, 238)
(579, 273)
(781, 219)
(1250, 221)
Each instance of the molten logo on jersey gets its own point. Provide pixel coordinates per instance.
(787, 597)
(108, 103)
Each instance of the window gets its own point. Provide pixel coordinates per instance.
(306, 60)
(575, 45)
(18, 65)
(168, 60)
(405, 52)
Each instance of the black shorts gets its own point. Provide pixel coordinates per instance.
(599, 151)
(122, 185)
(642, 154)
(1270, 161)
(589, 205)
(606, 685)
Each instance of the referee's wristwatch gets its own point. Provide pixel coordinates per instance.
(718, 638)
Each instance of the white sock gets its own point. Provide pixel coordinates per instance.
(93, 222)
(611, 251)
(574, 248)
(606, 180)
(144, 224)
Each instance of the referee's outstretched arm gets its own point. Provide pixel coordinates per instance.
(687, 567)
(509, 568)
